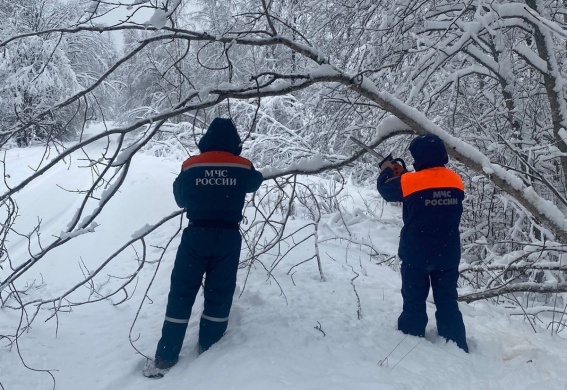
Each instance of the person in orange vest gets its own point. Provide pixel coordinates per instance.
(430, 247)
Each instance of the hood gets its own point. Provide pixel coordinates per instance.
(221, 136)
(428, 151)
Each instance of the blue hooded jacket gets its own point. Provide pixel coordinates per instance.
(432, 198)
(212, 186)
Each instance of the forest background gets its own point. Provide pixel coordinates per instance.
(298, 78)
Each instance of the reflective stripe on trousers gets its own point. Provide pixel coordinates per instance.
(177, 320)
(214, 319)
(204, 316)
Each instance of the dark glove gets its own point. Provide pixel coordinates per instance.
(383, 164)
(397, 165)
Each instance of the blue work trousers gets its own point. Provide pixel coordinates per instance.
(415, 289)
(215, 253)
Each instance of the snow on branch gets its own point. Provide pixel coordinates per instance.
(533, 287)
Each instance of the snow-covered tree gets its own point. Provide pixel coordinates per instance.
(42, 69)
(299, 77)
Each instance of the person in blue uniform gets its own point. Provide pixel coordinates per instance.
(430, 248)
(211, 187)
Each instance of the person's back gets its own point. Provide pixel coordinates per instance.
(212, 188)
(430, 248)
(432, 209)
(213, 184)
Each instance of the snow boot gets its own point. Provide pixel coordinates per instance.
(157, 369)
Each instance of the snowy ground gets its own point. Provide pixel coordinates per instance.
(301, 334)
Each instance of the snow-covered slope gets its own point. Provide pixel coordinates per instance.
(289, 331)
